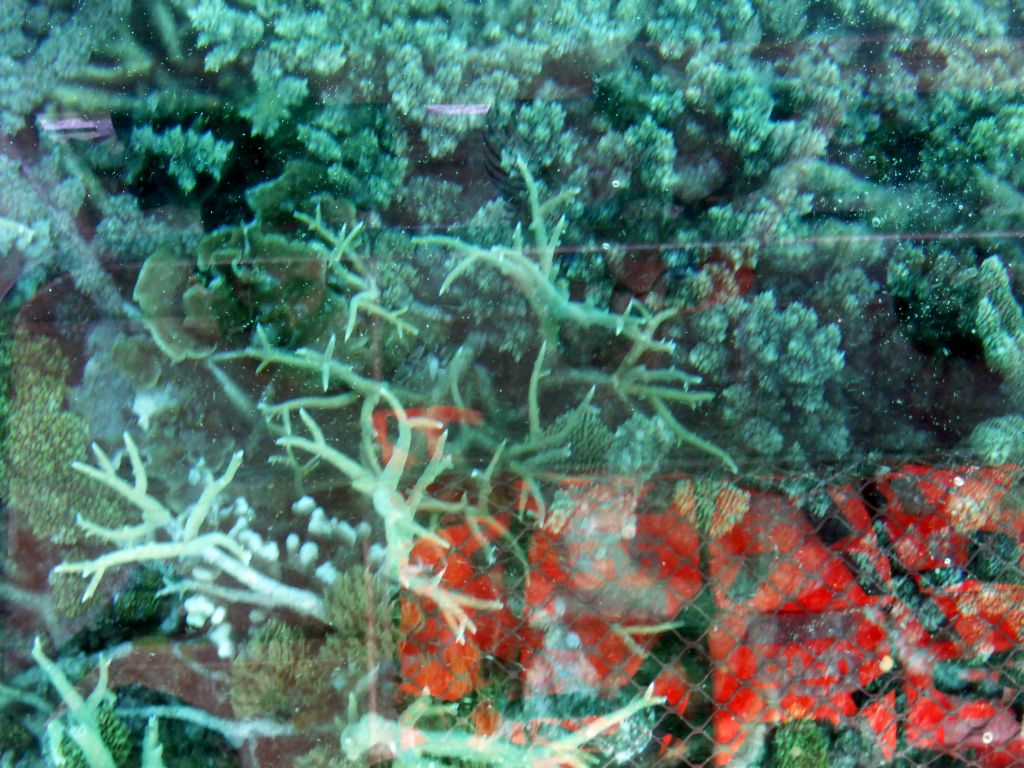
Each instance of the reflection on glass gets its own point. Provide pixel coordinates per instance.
(515, 384)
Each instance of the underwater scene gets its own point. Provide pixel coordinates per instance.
(545, 384)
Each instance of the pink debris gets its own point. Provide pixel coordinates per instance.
(83, 128)
(458, 109)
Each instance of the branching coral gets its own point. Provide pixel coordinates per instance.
(532, 270)
(42, 197)
(95, 736)
(780, 367)
(398, 509)
(1000, 325)
(699, 135)
(189, 152)
(350, 268)
(186, 538)
(32, 64)
(415, 746)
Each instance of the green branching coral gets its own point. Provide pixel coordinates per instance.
(754, 160)
(349, 273)
(44, 45)
(935, 295)
(135, 234)
(363, 150)
(41, 199)
(778, 368)
(225, 33)
(188, 152)
(540, 131)
(1000, 325)
(92, 734)
(998, 440)
(529, 265)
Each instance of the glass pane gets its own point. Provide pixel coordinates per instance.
(460, 382)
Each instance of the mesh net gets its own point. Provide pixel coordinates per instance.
(870, 622)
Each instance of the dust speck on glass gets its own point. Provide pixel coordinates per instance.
(557, 384)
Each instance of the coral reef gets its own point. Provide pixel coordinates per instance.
(327, 313)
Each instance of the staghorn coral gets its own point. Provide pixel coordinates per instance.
(94, 736)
